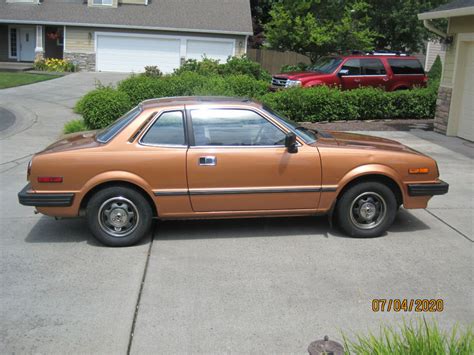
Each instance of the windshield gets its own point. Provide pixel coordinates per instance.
(110, 131)
(326, 65)
(306, 134)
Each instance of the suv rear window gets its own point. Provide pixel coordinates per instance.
(372, 66)
(405, 66)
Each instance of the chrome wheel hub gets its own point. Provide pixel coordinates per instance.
(118, 217)
(368, 210)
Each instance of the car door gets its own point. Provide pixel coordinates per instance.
(373, 73)
(238, 162)
(351, 79)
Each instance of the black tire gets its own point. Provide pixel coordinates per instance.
(119, 216)
(366, 210)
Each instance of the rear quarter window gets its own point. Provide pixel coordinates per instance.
(406, 66)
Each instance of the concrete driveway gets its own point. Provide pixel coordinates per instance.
(259, 285)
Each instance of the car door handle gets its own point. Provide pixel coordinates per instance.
(385, 79)
(357, 80)
(207, 161)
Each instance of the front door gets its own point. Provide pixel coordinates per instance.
(239, 163)
(27, 44)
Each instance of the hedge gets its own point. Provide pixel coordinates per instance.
(243, 78)
(327, 104)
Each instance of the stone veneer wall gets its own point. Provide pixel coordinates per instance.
(442, 109)
(84, 61)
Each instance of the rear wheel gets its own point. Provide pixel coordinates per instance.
(119, 216)
(366, 210)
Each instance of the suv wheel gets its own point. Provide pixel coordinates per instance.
(366, 210)
(119, 216)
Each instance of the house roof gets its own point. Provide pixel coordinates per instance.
(452, 9)
(206, 16)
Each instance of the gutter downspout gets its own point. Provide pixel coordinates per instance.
(432, 28)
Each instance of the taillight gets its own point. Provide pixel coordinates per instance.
(28, 171)
(50, 179)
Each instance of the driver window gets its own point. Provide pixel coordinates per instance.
(353, 65)
(229, 127)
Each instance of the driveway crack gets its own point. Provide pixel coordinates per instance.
(142, 284)
(450, 226)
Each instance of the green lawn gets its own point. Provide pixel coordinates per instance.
(11, 79)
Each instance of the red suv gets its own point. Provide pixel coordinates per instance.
(387, 70)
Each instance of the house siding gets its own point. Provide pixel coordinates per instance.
(446, 94)
(81, 39)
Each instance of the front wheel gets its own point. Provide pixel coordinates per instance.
(119, 216)
(366, 209)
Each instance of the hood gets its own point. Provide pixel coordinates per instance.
(301, 75)
(73, 141)
(369, 142)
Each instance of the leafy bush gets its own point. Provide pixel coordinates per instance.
(233, 66)
(141, 87)
(412, 339)
(75, 126)
(153, 71)
(246, 66)
(102, 106)
(328, 104)
(293, 68)
(434, 75)
(55, 65)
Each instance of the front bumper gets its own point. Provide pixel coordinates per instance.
(28, 198)
(431, 189)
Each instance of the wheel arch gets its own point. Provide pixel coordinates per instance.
(382, 174)
(125, 181)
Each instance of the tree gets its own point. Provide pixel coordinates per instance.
(318, 27)
(397, 24)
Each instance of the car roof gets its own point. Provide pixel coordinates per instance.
(197, 100)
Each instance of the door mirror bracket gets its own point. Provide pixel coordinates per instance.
(290, 143)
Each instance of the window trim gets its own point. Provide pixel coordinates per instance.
(152, 122)
(10, 56)
(102, 3)
(194, 146)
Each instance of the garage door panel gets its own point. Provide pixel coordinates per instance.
(197, 49)
(132, 54)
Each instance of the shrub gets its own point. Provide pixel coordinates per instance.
(245, 86)
(233, 66)
(102, 106)
(244, 65)
(53, 64)
(328, 104)
(434, 75)
(292, 68)
(206, 66)
(413, 338)
(141, 87)
(75, 126)
(153, 71)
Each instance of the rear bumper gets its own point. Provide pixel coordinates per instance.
(439, 188)
(28, 198)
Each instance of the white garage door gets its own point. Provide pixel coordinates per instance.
(466, 117)
(197, 49)
(126, 53)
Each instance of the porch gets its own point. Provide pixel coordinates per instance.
(26, 43)
(15, 66)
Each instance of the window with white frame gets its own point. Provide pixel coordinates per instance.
(12, 40)
(103, 2)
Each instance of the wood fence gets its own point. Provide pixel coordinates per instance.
(272, 61)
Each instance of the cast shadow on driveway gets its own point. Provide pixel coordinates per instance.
(49, 230)
(270, 227)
